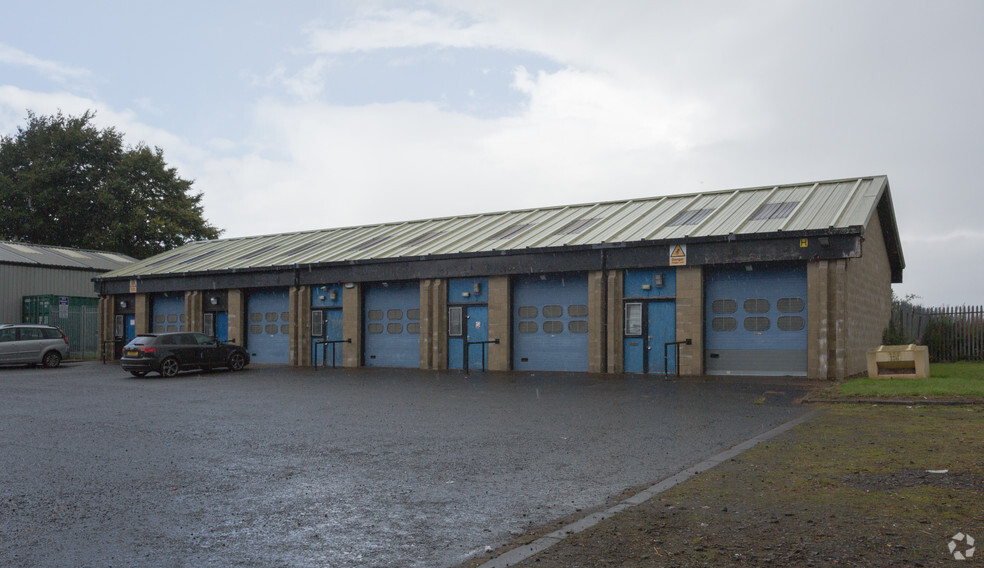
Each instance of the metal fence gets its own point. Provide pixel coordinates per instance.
(80, 324)
(951, 333)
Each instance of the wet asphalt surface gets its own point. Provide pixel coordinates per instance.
(295, 467)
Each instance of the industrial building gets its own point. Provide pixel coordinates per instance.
(787, 280)
(53, 285)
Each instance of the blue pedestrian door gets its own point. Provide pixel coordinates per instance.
(649, 328)
(471, 324)
(326, 325)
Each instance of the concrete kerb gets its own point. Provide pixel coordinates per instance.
(521, 553)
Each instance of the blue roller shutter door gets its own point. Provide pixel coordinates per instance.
(392, 325)
(756, 321)
(268, 329)
(168, 313)
(550, 323)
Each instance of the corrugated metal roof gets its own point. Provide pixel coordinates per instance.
(798, 207)
(62, 257)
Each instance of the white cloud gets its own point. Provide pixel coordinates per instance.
(49, 69)
(387, 29)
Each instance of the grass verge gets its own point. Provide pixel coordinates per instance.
(963, 379)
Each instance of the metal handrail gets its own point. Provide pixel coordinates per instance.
(666, 356)
(484, 345)
(324, 343)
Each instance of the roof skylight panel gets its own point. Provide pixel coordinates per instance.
(689, 217)
(421, 239)
(780, 210)
(371, 242)
(576, 227)
(258, 252)
(510, 231)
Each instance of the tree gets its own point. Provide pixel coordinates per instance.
(64, 182)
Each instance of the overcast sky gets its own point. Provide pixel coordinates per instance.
(300, 115)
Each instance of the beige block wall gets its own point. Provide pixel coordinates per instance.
(433, 324)
(194, 319)
(690, 319)
(236, 300)
(142, 308)
(352, 325)
(300, 326)
(869, 302)
(500, 323)
(615, 325)
(597, 322)
(107, 322)
(818, 332)
(849, 304)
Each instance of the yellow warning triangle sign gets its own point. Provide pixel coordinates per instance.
(678, 255)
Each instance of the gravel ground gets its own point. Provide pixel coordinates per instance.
(291, 467)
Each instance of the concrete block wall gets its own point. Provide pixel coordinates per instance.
(615, 321)
(194, 320)
(433, 323)
(690, 319)
(597, 321)
(868, 305)
(352, 325)
(849, 303)
(142, 307)
(299, 301)
(500, 323)
(107, 321)
(818, 331)
(236, 300)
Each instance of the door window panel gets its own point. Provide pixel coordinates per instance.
(633, 319)
(757, 305)
(790, 305)
(756, 323)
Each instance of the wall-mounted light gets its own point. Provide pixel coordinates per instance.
(658, 280)
(477, 288)
(213, 300)
(543, 277)
(647, 287)
(386, 284)
(350, 285)
(332, 295)
(748, 268)
(323, 288)
(465, 294)
(321, 297)
(123, 303)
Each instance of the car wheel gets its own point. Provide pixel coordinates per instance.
(51, 359)
(236, 362)
(138, 373)
(169, 367)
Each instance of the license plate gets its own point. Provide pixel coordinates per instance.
(132, 353)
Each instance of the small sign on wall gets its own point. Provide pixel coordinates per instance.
(678, 255)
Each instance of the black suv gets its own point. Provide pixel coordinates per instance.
(168, 353)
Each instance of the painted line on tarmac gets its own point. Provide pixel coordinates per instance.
(517, 555)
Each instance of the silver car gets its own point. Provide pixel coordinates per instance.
(32, 344)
